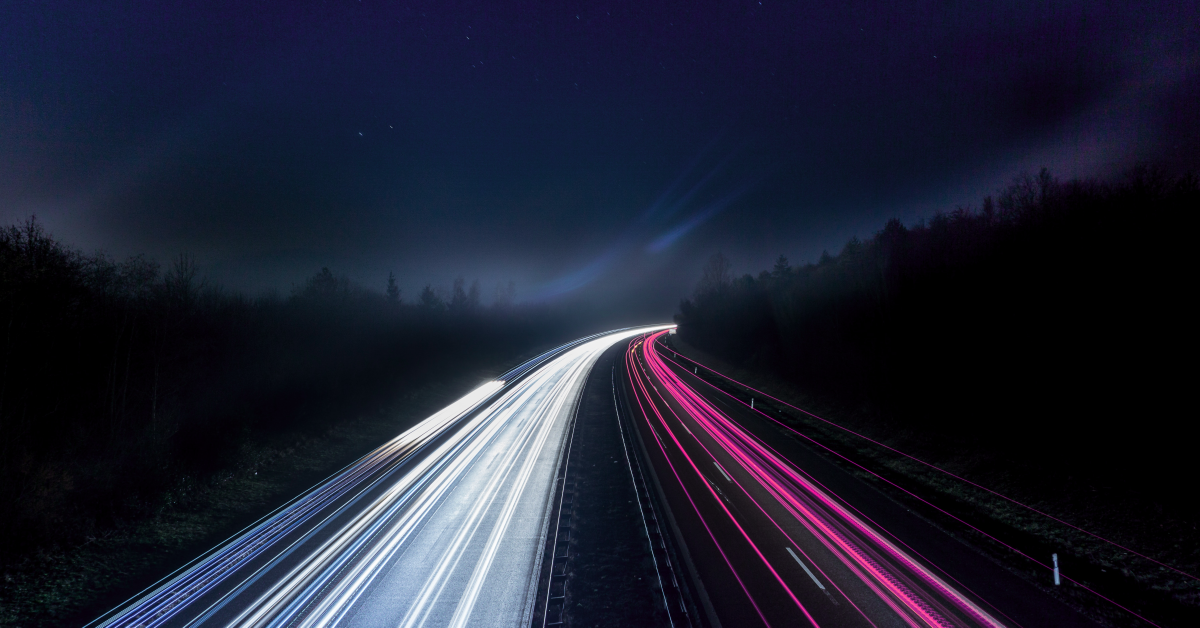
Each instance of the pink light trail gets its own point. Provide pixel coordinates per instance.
(923, 500)
(911, 590)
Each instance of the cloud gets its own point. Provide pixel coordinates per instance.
(668, 238)
(583, 276)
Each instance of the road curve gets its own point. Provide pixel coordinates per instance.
(781, 547)
(442, 526)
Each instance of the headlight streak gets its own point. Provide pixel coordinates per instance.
(162, 604)
(352, 587)
(328, 565)
(427, 482)
(354, 559)
(578, 371)
(858, 546)
(433, 586)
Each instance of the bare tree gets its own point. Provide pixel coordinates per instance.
(181, 284)
(393, 291)
(717, 274)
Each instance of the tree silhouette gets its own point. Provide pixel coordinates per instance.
(430, 299)
(717, 274)
(781, 267)
(123, 378)
(393, 291)
(325, 287)
(995, 315)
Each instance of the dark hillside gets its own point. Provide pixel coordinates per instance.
(1038, 345)
(1051, 325)
(118, 380)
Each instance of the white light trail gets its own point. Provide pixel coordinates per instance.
(440, 526)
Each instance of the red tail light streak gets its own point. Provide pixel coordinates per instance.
(768, 520)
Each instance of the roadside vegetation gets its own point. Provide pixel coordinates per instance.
(1032, 345)
(139, 405)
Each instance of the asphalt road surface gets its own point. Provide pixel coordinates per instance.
(442, 526)
(778, 540)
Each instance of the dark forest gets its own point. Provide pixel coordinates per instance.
(1050, 324)
(120, 379)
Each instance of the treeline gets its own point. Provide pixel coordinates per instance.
(1051, 324)
(119, 377)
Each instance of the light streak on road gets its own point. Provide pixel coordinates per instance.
(774, 504)
(442, 526)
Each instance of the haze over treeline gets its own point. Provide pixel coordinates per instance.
(121, 377)
(541, 142)
(1047, 325)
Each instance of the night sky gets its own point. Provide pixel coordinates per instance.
(596, 151)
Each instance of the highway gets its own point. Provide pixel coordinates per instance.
(442, 526)
(778, 545)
